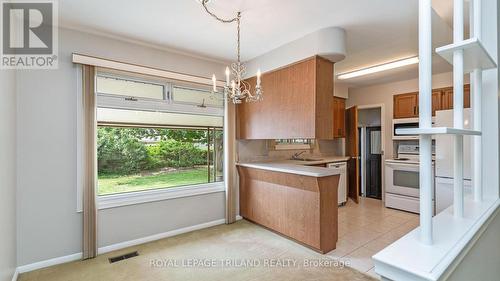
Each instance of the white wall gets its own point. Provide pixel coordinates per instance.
(328, 42)
(7, 174)
(137, 221)
(48, 224)
(383, 94)
(340, 90)
(369, 117)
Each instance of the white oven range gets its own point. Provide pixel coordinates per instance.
(402, 177)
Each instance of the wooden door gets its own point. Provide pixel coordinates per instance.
(338, 117)
(405, 105)
(436, 101)
(351, 147)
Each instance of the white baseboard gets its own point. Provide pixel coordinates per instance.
(126, 244)
(50, 262)
(16, 274)
(117, 246)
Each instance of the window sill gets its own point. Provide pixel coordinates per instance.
(140, 197)
(409, 259)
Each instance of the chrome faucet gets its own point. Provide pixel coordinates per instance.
(295, 156)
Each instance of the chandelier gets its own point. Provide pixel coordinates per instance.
(236, 89)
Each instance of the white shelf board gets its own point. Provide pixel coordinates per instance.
(409, 259)
(437, 131)
(475, 55)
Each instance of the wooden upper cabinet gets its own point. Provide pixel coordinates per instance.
(323, 95)
(297, 103)
(447, 97)
(338, 117)
(467, 96)
(405, 105)
(436, 101)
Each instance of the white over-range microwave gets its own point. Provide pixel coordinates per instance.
(405, 123)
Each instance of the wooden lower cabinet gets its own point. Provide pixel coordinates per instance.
(301, 207)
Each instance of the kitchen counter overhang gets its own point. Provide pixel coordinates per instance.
(298, 167)
(295, 200)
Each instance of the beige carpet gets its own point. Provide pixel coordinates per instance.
(240, 251)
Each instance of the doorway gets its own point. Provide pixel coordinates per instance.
(373, 182)
(370, 148)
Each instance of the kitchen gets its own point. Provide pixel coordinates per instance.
(287, 159)
(280, 149)
(253, 140)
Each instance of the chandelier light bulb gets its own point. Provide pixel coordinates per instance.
(214, 82)
(227, 76)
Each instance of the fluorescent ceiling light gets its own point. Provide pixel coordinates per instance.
(378, 68)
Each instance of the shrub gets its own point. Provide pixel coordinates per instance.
(121, 151)
(172, 153)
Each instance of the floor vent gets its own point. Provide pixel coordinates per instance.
(123, 257)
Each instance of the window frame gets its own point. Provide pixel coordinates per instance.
(149, 104)
(277, 145)
(158, 194)
(167, 104)
(201, 185)
(107, 75)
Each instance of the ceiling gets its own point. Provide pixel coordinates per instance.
(377, 31)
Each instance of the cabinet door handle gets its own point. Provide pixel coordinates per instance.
(414, 110)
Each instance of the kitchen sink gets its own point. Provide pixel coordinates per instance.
(308, 159)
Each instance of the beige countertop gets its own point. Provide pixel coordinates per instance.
(324, 160)
(298, 167)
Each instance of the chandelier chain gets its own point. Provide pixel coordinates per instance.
(240, 89)
(238, 23)
(204, 3)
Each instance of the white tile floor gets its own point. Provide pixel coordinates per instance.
(368, 227)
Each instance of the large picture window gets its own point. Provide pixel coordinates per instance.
(156, 135)
(139, 158)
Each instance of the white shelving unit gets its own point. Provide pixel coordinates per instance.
(437, 131)
(427, 252)
(466, 56)
(475, 55)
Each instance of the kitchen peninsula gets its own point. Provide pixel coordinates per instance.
(293, 198)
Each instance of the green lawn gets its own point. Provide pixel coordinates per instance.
(109, 184)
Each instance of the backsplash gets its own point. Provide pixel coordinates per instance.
(261, 150)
